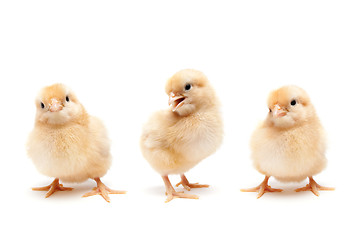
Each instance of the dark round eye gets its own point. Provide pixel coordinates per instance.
(67, 98)
(293, 103)
(270, 110)
(42, 105)
(187, 87)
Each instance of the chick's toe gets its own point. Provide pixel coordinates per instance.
(262, 188)
(314, 187)
(52, 188)
(174, 194)
(185, 183)
(171, 193)
(102, 190)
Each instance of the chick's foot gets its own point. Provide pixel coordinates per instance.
(172, 194)
(185, 183)
(262, 188)
(314, 187)
(52, 188)
(102, 190)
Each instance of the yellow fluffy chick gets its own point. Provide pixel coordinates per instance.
(175, 140)
(290, 144)
(67, 143)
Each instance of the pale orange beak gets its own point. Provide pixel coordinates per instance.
(55, 105)
(175, 101)
(279, 111)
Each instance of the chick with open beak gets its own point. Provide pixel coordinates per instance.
(176, 101)
(173, 142)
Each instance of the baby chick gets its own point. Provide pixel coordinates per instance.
(174, 141)
(290, 144)
(67, 143)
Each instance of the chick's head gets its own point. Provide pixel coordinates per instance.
(289, 106)
(189, 91)
(57, 104)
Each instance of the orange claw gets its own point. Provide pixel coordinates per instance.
(314, 187)
(185, 183)
(52, 188)
(262, 188)
(172, 194)
(102, 190)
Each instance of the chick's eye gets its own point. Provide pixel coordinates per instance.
(270, 110)
(67, 98)
(187, 87)
(293, 103)
(42, 105)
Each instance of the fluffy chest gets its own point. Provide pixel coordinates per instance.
(57, 145)
(289, 152)
(285, 146)
(201, 139)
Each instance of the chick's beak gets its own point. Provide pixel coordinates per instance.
(55, 105)
(279, 111)
(175, 101)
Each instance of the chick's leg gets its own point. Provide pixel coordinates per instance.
(262, 188)
(188, 185)
(171, 193)
(52, 188)
(102, 190)
(314, 187)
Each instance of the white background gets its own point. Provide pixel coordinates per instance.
(117, 56)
